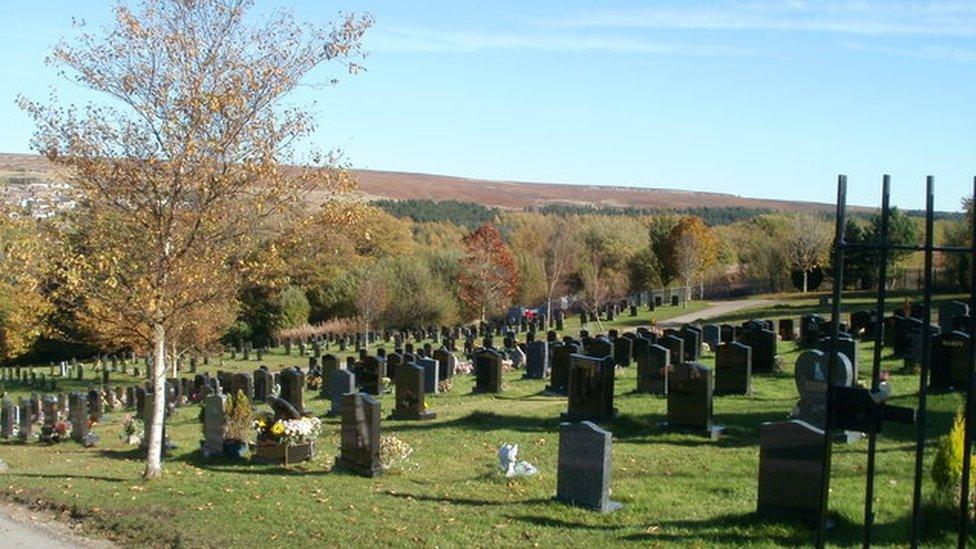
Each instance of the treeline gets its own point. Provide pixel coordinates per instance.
(464, 214)
(710, 215)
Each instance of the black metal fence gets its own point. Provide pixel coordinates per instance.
(864, 409)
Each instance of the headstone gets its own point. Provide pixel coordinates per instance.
(583, 477)
(675, 346)
(591, 384)
(733, 369)
(790, 469)
(373, 370)
(292, 382)
(559, 367)
(8, 418)
(446, 363)
(787, 331)
(692, 337)
(690, 390)
(411, 402)
(263, 383)
(214, 421)
(488, 371)
(78, 415)
(948, 312)
(763, 344)
(810, 375)
(652, 370)
(431, 374)
(711, 336)
(622, 351)
(846, 346)
(536, 360)
(360, 435)
(950, 362)
(341, 382)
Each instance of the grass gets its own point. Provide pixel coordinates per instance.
(676, 489)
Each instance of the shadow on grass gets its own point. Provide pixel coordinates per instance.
(70, 476)
(549, 522)
(464, 501)
(738, 529)
(486, 421)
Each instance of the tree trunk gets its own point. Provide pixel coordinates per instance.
(804, 282)
(549, 312)
(154, 465)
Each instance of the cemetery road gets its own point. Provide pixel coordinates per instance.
(717, 309)
(26, 529)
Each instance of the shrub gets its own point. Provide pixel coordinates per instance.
(294, 308)
(947, 465)
(238, 412)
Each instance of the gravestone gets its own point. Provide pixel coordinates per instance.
(50, 405)
(846, 346)
(263, 383)
(787, 330)
(373, 370)
(591, 381)
(790, 469)
(622, 349)
(583, 477)
(341, 382)
(214, 421)
(598, 346)
(26, 425)
(811, 327)
(690, 390)
(711, 336)
(733, 369)
(393, 362)
(652, 370)
(810, 376)
(78, 415)
(950, 362)
(488, 371)
(559, 360)
(8, 418)
(411, 401)
(536, 360)
(446, 363)
(330, 363)
(692, 337)
(949, 311)
(292, 382)
(360, 435)
(675, 346)
(431, 375)
(763, 344)
(726, 333)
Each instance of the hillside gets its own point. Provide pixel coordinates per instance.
(22, 169)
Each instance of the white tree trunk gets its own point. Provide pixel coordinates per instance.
(154, 460)
(804, 282)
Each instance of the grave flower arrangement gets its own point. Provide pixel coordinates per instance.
(132, 429)
(272, 432)
(62, 431)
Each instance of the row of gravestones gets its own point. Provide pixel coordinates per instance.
(584, 462)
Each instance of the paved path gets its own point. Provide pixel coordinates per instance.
(25, 529)
(717, 309)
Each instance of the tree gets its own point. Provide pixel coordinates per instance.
(659, 230)
(863, 264)
(691, 250)
(545, 247)
(602, 263)
(372, 298)
(177, 163)
(293, 308)
(809, 245)
(489, 276)
(23, 306)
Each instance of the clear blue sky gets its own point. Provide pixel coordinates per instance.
(757, 98)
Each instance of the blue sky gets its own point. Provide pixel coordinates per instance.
(756, 98)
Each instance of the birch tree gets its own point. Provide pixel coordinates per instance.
(178, 162)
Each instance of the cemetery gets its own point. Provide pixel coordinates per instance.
(662, 485)
(217, 330)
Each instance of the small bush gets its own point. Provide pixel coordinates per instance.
(238, 413)
(947, 465)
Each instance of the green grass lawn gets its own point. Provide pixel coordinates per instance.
(676, 489)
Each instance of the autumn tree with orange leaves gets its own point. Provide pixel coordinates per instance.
(489, 276)
(691, 250)
(178, 162)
